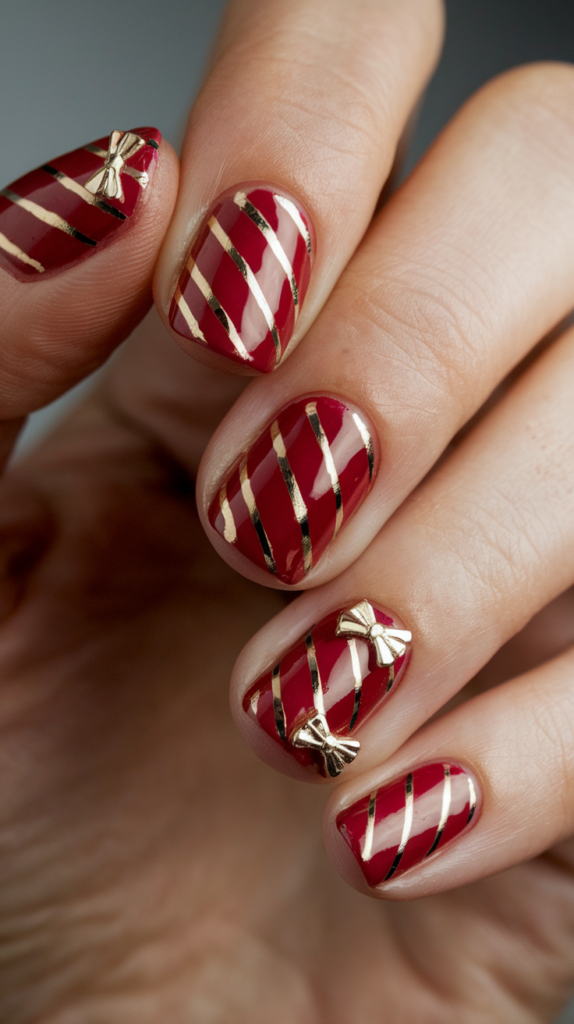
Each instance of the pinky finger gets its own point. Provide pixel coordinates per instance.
(485, 787)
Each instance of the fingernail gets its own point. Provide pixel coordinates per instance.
(73, 206)
(328, 684)
(301, 480)
(245, 277)
(397, 827)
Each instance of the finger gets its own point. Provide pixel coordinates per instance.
(483, 545)
(469, 264)
(287, 150)
(78, 242)
(487, 786)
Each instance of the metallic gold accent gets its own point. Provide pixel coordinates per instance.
(241, 200)
(225, 320)
(358, 679)
(391, 677)
(188, 315)
(367, 441)
(254, 287)
(142, 177)
(19, 253)
(472, 798)
(299, 506)
(229, 529)
(367, 851)
(107, 181)
(79, 190)
(278, 708)
(389, 643)
(315, 675)
(313, 417)
(46, 216)
(249, 499)
(336, 752)
(293, 212)
(255, 701)
(445, 809)
(407, 825)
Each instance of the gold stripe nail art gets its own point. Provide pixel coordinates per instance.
(278, 708)
(407, 825)
(225, 321)
(46, 216)
(247, 273)
(296, 217)
(313, 417)
(249, 499)
(472, 798)
(299, 506)
(241, 200)
(445, 810)
(19, 253)
(79, 190)
(357, 676)
(315, 675)
(229, 530)
(188, 315)
(370, 829)
(367, 441)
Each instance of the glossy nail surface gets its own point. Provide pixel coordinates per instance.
(399, 826)
(245, 278)
(73, 206)
(302, 479)
(328, 684)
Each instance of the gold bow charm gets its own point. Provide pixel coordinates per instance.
(360, 621)
(107, 182)
(316, 735)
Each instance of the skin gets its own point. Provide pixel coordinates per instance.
(151, 867)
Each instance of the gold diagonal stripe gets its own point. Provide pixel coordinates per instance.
(391, 677)
(445, 809)
(19, 253)
(278, 708)
(79, 190)
(407, 825)
(267, 231)
(229, 530)
(472, 799)
(370, 829)
(46, 216)
(296, 217)
(367, 441)
(254, 287)
(142, 177)
(225, 320)
(188, 315)
(249, 499)
(299, 506)
(315, 675)
(357, 676)
(313, 416)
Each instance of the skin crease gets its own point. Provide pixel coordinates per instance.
(152, 869)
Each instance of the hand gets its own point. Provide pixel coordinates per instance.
(153, 868)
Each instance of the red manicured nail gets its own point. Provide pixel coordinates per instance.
(289, 496)
(72, 207)
(244, 281)
(399, 826)
(328, 684)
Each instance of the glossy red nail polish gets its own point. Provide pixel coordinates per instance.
(245, 278)
(302, 479)
(399, 826)
(328, 684)
(72, 207)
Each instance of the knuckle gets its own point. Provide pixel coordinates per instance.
(536, 101)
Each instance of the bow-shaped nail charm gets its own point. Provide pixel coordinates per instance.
(316, 735)
(360, 621)
(107, 182)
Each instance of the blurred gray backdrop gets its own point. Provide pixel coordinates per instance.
(70, 70)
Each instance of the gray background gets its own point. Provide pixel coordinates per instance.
(70, 70)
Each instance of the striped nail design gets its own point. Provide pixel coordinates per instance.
(299, 483)
(72, 207)
(244, 281)
(328, 684)
(399, 826)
